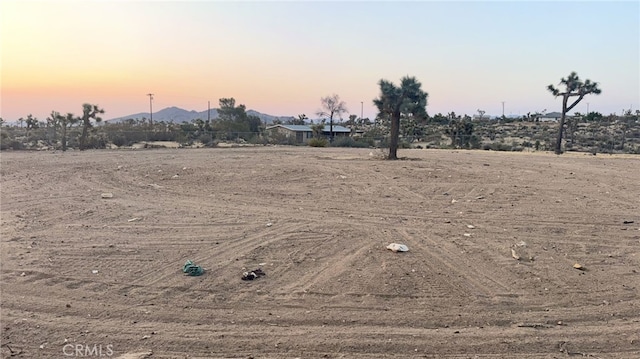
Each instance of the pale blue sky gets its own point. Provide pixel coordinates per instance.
(280, 58)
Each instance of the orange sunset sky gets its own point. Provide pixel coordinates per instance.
(280, 58)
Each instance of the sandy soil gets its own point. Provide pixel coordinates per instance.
(107, 273)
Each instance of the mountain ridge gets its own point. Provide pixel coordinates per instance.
(180, 115)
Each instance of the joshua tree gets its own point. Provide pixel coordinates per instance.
(88, 112)
(32, 123)
(481, 114)
(332, 106)
(301, 120)
(573, 87)
(394, 102)
(66, 122)
(53, 122)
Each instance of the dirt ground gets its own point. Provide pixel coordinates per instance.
(105, 274)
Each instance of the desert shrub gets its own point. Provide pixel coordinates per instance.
(206, 139)
(497, 146)
(32, 140)
(153, 145)
(16, 145)
(98, 141)
(126, 138)
(370, 141)
(119, 140)
(181, 138)
(276, 138)
(5, 140)
(318, 142)
(163, 135)
(402, 143)
(259, 140)
(474, 142)
(348, 142)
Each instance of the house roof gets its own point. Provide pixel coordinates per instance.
(552, 115)
(327, 128)
(305, 128)
(295, 128)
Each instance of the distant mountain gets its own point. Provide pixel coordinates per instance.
(178, 115)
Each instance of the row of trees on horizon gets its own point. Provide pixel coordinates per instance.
(401, 110)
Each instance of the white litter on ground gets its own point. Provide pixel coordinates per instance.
(397, 247)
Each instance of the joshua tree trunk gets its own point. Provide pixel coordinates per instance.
(64, 137)
(395, 132)
(331, 130)
(83, 137)
(558, 149)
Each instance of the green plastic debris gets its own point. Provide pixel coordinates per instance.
(192, 269)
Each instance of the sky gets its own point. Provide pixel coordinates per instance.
(281, 58)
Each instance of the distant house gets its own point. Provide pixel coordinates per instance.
(550, 117)
(337, 131)
(358, 133)
(478, 117)
(297, 133)
(303, 133)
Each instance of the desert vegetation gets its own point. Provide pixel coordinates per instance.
(592, 132)
(402, 122)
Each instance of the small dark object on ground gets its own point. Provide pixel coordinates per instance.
(627, 222)
(192, 269)
(253, 274)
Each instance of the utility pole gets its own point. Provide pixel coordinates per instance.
(208, 111)
(502, 108)
(587, 108)
(361, 110)
(150, 108)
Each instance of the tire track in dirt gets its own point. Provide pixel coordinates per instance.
(229, 249)
(362, 301)
(482, 284)
(323, 271)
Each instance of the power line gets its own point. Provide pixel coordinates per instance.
(150, 108)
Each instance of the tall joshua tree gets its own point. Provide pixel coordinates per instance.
(394, 102)
(573, 87)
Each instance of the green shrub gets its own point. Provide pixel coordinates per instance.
(497, 146)
(98, 141)
(4, 140)
(206, 139)
(348, 142)
(119, 140)
(318, 142)
(402, 143)
(16, 145)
